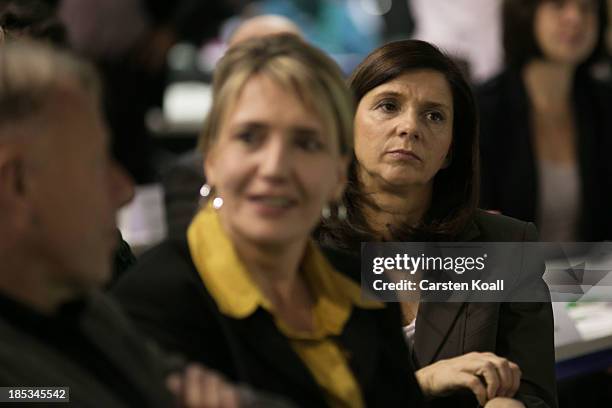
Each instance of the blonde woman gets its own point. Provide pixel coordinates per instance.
(249, 294)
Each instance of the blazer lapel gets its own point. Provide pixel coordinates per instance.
(362, 344)
(436, 329)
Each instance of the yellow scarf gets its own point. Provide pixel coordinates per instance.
(237, 296)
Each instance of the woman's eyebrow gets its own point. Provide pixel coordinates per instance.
(305, 130)
(436, 105)
(388, 94)
(250, 124)
(428, 103)
(254, 125)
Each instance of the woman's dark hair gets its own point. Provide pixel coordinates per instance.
(519, 41)
(455, 191)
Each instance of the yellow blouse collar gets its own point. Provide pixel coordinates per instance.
(237, 295)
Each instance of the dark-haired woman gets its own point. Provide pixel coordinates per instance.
(415, 178)
(546, 126)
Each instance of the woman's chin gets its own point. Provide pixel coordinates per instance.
(404, 181)
(273, 234)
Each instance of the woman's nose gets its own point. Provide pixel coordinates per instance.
(573, 12)
(408, 126)
(275, 160)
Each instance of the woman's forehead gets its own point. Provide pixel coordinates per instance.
(428, 85)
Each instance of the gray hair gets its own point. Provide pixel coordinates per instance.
(30, 72)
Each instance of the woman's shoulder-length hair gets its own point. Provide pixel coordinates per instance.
(456, 188)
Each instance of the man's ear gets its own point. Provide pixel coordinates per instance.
(13, 197)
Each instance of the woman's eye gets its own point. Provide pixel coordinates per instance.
(558, 3)
(309, 144)
(387, 106)
(434, 116)
(588, 6)
(248, 137)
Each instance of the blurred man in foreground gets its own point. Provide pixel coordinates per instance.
(59, 192)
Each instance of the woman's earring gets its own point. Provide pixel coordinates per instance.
(205, 190)
(342, 212)
(217, 203)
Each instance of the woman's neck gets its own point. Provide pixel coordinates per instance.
(396, 206)
(274, 268)
(549, 85)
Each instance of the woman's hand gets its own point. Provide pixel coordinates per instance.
(485, 374)
(197, 387)
(504, 403)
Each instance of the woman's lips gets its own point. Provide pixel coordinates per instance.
(571, 38)
(272, 205)
(402, 154)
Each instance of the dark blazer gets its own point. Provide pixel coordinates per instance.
(521, 332)
(509, 171)
(29, 361)
(167, 300)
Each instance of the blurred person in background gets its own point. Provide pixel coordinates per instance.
(415, 178)
(345, 29)
(249, 293)
(546, 134)
(261, 26)
(183, 178)
(546, 128)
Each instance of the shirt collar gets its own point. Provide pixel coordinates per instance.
(237, 295)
